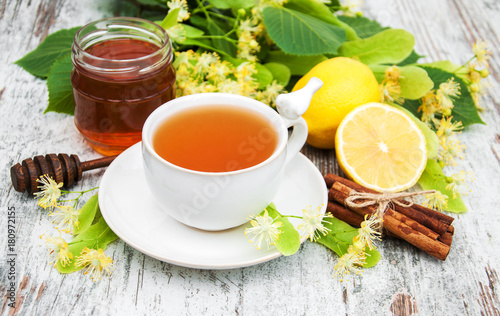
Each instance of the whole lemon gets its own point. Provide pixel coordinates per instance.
(347, 84)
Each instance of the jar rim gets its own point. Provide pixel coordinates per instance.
(161, 49)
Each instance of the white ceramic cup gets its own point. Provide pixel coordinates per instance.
(222, 200)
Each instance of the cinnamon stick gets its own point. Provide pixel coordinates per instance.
(397, 224)
(433, 247)
(431, 219)
(344, 214)
(341, 192)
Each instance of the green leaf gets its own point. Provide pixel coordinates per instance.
(221, 43)
(263, 75)
(464, 109)
(387, 47)
(232, 4)
(445, 65)
(298, 65)
(288, 241)
(280, 72)
(192, 31)
(320, 11)
(171, 18)
(364, 27)
(300, 34)
(39, 61)
(203, 44)
(97, 236)
(87, 215)
(431, 139)
(434, 178)
(340, 238)
(61, 98)
(412, 59)
(414, 82)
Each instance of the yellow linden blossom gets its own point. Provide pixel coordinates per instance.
(446, 128)
(369, 231)
(450, 149)
(183, 12)
(50, 191)
(177, 33)
(219, 71)
(482, 53)
(312, 223)
(66, 218)
(437, 201)
(447, 90)
(390, 90)
(96, 262)
(349, 263)
(264, 230)
(198, 73)
(269, 95)
(351, 7)
(429, 107)
(59, 250)
(248, 30)
(457, 182)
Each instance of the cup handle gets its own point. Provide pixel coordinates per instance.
(298, 138)
(291, 106)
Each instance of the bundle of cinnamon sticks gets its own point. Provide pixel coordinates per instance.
(426, 229)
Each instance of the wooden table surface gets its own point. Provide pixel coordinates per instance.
(405, 282)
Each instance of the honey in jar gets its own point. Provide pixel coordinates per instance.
(122, 72)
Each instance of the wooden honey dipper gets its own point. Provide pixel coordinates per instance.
(62, 168)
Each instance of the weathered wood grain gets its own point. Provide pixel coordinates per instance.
(405, 282)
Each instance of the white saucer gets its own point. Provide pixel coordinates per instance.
(129, 209)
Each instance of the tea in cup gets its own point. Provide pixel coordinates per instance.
(212, 160)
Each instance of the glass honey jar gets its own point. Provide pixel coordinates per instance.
(122, 72)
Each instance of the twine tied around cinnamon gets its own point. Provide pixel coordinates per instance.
(382, 200)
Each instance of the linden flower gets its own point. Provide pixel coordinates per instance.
(96, 261)
(66, 218)
(446, 128)
(50, 192)
(204, 62)
(450, 149)
(482, 53)
(312, 223)
(457, 182)
(177, 33)
(59, 250)
(428, 107)
(350, 262)
(391, 91)
(269, 95)
(392, 73)
(264, 229)
(447, 90)
(230, 86)
(219, 71)
(369, 231)
(437, 201)
(183, 12)
(350, 7)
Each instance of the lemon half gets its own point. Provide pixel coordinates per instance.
(381, 148)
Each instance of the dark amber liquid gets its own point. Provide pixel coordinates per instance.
(111, 108)
(215, 138)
